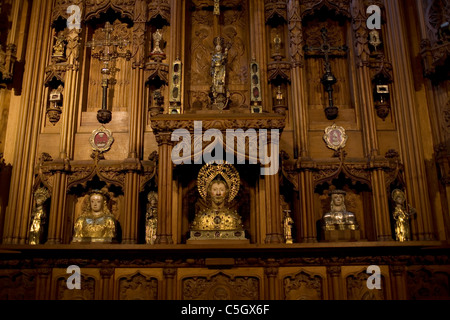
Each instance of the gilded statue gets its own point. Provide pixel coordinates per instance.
(219, 93)
(38, 217)
(339, 218)
(218, 185)
(59, 47)
(96, 223)
(287, 227)
(401, 216)
(157, 40)
(151, 217)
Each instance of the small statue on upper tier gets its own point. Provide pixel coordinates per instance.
(96, 223)
(39, 217)
(339, 218)
(151, 218)
(401, 216)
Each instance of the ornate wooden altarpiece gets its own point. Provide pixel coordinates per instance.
(275, 64)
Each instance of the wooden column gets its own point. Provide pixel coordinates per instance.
(334, 282)
(164, 229)
(412, 150)
(170, 284)
(273, 212)
(398, 282)
(368, 116)
(71, 94)
(56, 216)
(308, 219)
(30, 114)
(131, 214)
(271, 274)
(43, 283)
(106, 283)
(258, 48)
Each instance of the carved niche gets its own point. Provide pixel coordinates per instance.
(357, 288)
(138, 287)
(425, 284)
(17, 286)
(221, 287)
(303, 286)
(234, 29)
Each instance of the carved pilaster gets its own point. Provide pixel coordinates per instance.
(398, 282)
(169, 276)
(106, 282)
(335, 282)
(43, 282)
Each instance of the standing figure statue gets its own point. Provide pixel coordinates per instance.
(151, 217)
(157, 39)
(401, 216)
(96, 223)
(287, 226)
(39, 217)
(339, 218)
(59, 46)
(219, 93)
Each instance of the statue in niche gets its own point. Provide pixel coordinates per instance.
(218, 185)
(96, 223)
(401, 216)
(287, 227)
(339, 218)
(219, 92)
(151, 217)
(157, 42)
(59, 46)
(38, 217)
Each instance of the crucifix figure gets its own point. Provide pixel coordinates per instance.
(328, 79)
(108, 54)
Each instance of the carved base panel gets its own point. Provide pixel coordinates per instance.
(341, 235)
(221, 235)
(215, 272)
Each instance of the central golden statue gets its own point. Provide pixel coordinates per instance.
(218, 185)
(96, 223)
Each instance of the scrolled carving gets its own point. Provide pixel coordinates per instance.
(274, 9)
(340, 7)
(159, 8)
(138, 287)
(221, 287)
(303, 286)
(357, 288)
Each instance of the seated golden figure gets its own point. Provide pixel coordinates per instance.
(218, 185)
(96, 223)
(339, 218)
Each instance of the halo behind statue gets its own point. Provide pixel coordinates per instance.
(210, 171)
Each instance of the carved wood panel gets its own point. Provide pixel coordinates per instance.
(138, 287)
(303, 286)
(337, 34)
(234, 28)
(119, 91)
(428, 283)
(221, 286)
(17, 285)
